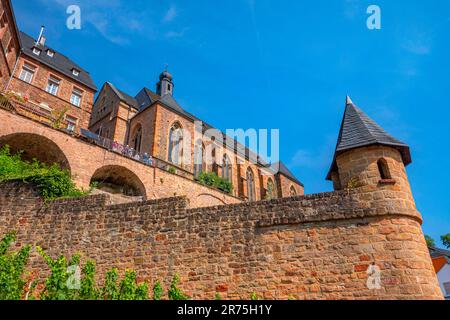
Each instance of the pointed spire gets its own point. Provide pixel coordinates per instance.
(359, 130)
(348, 101)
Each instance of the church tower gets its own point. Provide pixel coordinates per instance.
(165, 84)
(367, 156)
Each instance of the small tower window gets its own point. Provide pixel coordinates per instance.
(383, 169)
(292, 192)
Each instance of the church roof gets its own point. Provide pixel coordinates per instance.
(285, 171)
(146, 99)
(123, 96)
(359, 130)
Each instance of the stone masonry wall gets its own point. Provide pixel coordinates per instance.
(310, 247)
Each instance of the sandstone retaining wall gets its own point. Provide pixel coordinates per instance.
(310, 247)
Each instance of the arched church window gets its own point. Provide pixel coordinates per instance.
(250, 185)
(198, 158)
(137, 140)
(226, 168)
(175, 144)
(271, 190)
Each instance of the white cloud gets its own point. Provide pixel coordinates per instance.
(118, 22)
(418, 47)
(171, 14)
(302, 158)
(176, 34)
(108, 17)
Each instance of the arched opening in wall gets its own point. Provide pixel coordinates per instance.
(383, 169)
(136, 141)
(33, 146)
(118, 180)
(293, 192)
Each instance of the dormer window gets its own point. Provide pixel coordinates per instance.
(37, 51)
(75, 72)
(50, 53)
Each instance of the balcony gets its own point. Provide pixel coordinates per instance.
(17, 104)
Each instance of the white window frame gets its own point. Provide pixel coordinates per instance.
(75, 72)
(27, 73)
(50, 53)
(53, 85)
(37, 51)
(76, 97)
(71, 123)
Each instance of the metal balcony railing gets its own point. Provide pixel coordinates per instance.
(31, 110)
(133, 154)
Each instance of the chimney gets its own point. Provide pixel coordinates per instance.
(41, 39)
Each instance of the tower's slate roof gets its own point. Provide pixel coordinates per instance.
(59, 62)
(358, 130)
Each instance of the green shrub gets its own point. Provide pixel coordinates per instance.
(63, 284)
(130, 289)
(254, 296)
(58, 285)
(51, 181)
(110, 290)
(12, 267)
(213, 180)
(172, 170)
(158, 291)
(174, 292)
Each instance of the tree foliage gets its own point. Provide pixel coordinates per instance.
(446, 240)
(430, 241)
(213, 180)
(51, 181)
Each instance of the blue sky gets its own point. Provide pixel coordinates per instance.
(281, 64)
